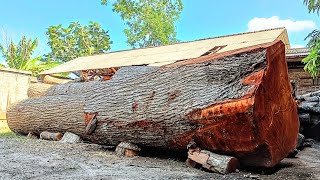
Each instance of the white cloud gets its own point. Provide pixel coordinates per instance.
(256, 24)
(297, 46)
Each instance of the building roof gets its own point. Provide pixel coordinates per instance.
(15, 71)
(297, 52)
(168, 54)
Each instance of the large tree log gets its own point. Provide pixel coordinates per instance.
(237, 103)
(48, 79)
(38, 89)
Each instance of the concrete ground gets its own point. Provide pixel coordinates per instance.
(22, 158)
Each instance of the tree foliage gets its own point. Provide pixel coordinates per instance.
(312, 62)
(149, 22)
(76, 41)
(19, 56)
(313, 5)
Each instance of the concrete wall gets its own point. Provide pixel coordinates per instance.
(13, 88)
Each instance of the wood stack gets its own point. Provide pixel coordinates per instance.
(235, 103)
(309, 114)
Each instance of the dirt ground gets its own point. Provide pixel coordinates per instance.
(22, 158)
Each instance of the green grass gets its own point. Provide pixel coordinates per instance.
(5, 131)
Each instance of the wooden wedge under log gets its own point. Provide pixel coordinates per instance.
(237, 103)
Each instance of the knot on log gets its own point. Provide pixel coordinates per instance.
(134, 106)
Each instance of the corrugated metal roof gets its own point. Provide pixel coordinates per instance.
(297, 52)
(163, 55)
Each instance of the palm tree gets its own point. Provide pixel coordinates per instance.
(312, 62)
(313, 5)
(20, 56)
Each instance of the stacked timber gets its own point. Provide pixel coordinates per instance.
(309, 114)
(236, 103)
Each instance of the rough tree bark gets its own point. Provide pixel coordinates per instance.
(38, 89)
(236, 103)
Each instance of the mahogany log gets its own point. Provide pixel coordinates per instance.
(235, 103)
(38, 89)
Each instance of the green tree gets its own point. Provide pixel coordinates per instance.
(19, 56)
(76, 40)
(313, 5)
(312, 62)
(149, 22)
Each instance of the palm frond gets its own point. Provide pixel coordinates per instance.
(313, 5)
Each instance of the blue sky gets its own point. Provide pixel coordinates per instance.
(199, 19)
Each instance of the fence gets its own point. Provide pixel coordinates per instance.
(13, 88)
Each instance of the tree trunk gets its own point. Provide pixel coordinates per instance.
(48, 79)
(38, 89)
(238, 103)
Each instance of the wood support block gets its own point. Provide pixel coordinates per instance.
(70, 138)
(127, 149)
(51, 136)
(32, 135)
(215, 162)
